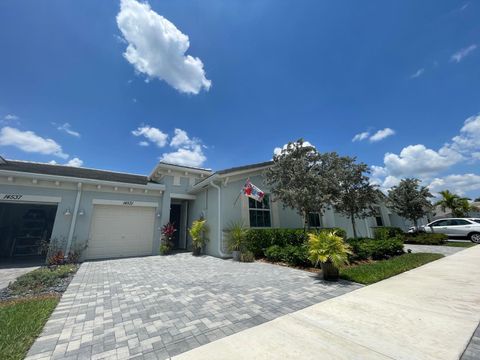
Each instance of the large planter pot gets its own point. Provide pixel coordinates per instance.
(196, 251)
(236, 255)
(330, 272)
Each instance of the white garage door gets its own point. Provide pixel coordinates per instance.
(120, 231)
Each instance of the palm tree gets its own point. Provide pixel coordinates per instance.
(459, 206)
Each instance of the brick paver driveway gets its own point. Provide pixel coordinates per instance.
(160, 306)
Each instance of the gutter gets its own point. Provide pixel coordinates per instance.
(219, 216)
(74, 219)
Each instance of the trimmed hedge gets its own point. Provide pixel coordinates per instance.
(258, 240)
(365, 248)
(387, 232)
(426, 239)
(296, 255)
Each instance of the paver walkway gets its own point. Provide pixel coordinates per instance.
(428, 313)
(160, 306)
(436, 249)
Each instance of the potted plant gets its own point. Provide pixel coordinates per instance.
(236, 235)
(198, 233)
(330, 251)
(166, 244)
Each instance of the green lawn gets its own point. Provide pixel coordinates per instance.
(460, 244)
(376, 271)
(20, 324)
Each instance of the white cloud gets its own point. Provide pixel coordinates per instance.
(10, 117)
(278, 150)
(157, 48)
(189, 150)
(52, 162)
(152, 134)
(75, 162)
(361, 136)
(188, 157)
(28, 141)
(381, 134)
(66, 127)
(462, 53)
(143, 143)
(417, 74)
(458, 183)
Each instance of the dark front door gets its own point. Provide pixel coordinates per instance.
(175, 218)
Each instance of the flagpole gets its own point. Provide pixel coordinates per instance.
(240, 193)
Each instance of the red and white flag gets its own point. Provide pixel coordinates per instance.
(252, 191)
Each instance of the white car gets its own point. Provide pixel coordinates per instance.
(456, 227)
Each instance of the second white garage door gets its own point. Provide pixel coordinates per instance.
(121, 231)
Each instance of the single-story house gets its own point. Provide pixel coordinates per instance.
(109, 214)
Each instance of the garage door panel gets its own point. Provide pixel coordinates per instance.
(119, 231)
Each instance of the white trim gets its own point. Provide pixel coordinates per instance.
(18, 197)
(182, 196)
(82, 180)
(129, 203)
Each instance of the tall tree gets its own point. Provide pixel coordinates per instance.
(459, 206)
(410, 200)
(354, 195)
(300, 178)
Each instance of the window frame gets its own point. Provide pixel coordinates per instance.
(265, 207)
(319, 220)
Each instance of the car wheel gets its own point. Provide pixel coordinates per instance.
(475, 237)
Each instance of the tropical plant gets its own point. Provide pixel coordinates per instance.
(410, 200)
(301, 177)
(166, 243)
(198, 233)
(355, 195)
(459, 206)
(329, 250)
(237, 236)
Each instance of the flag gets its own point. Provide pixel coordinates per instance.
(252, 191)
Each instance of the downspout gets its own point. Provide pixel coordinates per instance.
(74, 219)
(222, 254)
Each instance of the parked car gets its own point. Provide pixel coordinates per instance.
(456, 227)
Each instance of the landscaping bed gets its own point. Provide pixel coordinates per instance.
(21, 321)
(369, 273)
(52, 280)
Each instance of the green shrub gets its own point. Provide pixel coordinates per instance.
(247, 256)
(364, 248)
(387, 232)
(258, 240)
(426, 239)
(295, 255)
(40, 279)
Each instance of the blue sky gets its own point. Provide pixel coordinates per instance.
(252, 75)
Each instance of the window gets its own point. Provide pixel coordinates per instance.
(314, 220)
(476, 220)
(378, 217)
(460, 222)
(259, 212)
(440, 223)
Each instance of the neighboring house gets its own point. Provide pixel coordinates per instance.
(438, 213)
(110, 214)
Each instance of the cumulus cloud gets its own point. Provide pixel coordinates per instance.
(144, 143)
(417, 73)
(67, 128)
(457, 183)
(462, 53)
(30, 142)
(75, 162)
(361, 136)
(382, 134)
(189, 150)
(278, 150)
(379, 135)
(152, 134)
(157, 48)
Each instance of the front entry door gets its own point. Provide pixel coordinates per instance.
(175, 219)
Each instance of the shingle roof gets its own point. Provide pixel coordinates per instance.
(245, 167)
(69, 171)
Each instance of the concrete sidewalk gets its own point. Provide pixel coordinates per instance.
(427, 313)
